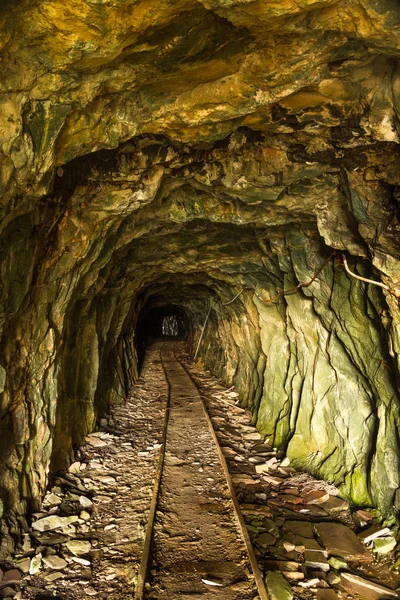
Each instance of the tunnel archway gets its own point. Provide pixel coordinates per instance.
(143, 169)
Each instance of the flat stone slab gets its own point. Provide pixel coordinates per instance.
(12, 575)
(384, 545)
(335, 504)
(54, 562)
(265, 539)
(54, 522)
(373, 532)
(278, 587)
(302, 528)
(365, 588)
(51, 539)
(261, 448)
(340, 540)
(288, 498)
(289, 566)
(78, 547)
(315, 497)
(316, 559)
(255, 436)
(275, 481)
(306, 542)
(8, 592)
(95, 442)
(313, 510)
(256, 509)
(262, 468)
(365, 515)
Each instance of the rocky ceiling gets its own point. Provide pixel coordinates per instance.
(206, 155)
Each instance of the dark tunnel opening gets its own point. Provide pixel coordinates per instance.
(161, 322)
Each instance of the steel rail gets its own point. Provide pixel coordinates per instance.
(145, 560)
(258, 576)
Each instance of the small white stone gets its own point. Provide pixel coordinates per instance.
(107, 479)
(263, 468)
(78, 547)
(35, 565)
(212, 581)
(85, 502)
(81, 561)
(309, 583)
(74, 468)
(95, 442)
(52, 500)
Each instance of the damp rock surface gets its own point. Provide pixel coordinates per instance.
(305, 549)
(97, 551)
(236, 162)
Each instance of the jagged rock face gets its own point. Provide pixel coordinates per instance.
(192, 154)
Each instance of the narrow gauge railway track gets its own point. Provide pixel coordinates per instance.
(196, 542)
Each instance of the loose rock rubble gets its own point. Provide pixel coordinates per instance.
(88, 538)
(308, 540)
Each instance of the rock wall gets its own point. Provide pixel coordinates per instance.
(201, 153)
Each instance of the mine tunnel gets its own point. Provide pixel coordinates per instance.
(160, 322)
(199, 299)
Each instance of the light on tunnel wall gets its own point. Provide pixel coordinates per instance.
(170, 326)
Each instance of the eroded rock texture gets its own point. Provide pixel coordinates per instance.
(195, 153)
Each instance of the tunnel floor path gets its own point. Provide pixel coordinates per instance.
(88, 539)
(197, 543)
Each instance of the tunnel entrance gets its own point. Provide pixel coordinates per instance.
(170, 326)
(163, 322)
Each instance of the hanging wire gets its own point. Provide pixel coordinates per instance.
(234, 298)
(202, 332)
(300, 285)
(382, 285)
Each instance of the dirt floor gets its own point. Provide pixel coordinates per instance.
(88, 538)
(197, 545)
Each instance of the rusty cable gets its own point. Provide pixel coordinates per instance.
(379, 283)
(300, 285)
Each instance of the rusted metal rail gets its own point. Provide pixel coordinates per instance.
(146, 554)
(147, 548)
(258, 576)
